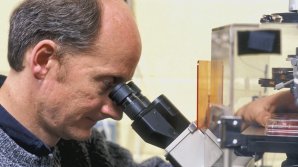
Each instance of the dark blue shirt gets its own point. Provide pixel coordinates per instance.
(22, 136)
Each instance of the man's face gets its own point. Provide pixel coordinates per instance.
(69, 109)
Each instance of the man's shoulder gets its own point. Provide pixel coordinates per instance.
(11, 154)
(92, 152)
(95, 142)
(95, 151)
(2, 79)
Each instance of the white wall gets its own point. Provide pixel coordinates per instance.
(6, 8)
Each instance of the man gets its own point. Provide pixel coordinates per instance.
(65, 57)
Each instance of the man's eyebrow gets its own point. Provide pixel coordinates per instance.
(118, 80)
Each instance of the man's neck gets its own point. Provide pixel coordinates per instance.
(17, 97)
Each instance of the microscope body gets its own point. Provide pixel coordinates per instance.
(161, 124)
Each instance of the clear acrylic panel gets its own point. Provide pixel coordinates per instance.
(244, 62)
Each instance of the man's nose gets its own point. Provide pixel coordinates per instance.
(112, 110)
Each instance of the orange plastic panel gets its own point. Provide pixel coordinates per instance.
(209, 89)
(203, 88)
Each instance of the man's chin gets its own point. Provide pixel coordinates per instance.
(80, 135)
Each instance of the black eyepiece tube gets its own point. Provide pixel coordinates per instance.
(119, 93)
(122, 95)
(137, 92)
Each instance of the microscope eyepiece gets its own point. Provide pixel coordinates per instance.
(137, 92)
(119, 93)
(122, 95)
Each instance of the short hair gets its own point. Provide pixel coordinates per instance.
(73, 24)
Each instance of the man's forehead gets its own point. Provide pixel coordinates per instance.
(119, 39)
(117, 15)
(118, 47)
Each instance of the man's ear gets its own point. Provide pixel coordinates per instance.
(41, 57)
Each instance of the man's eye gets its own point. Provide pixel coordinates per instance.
(109, 84)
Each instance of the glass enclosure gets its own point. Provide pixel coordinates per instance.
(242, 56)
(248, 53)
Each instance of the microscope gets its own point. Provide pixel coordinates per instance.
(161, 124)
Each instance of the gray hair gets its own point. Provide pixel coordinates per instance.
(73, 24)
